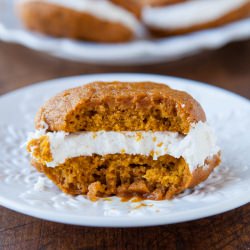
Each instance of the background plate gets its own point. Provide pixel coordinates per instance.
(137, 52)
(227, 188)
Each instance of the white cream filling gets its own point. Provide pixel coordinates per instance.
(199, 144)
(101, 9)
(189, 13)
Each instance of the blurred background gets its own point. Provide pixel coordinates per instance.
(35, 47)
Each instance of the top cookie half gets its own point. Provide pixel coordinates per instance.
(120, 106)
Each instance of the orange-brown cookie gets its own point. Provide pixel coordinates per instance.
(126, 139)
(193, 15)
(105, 178)
(93, 20)
(116, 106)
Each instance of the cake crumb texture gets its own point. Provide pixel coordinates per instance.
(121, 175)
(40, 149)
(121, 106)
(126, 176)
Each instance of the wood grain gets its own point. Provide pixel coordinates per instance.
(228, 68)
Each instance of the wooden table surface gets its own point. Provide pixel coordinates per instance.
(228, 68)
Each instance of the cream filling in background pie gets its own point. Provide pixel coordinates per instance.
(189, 13)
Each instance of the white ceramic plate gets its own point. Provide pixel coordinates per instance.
(137, 52)
(227, 188)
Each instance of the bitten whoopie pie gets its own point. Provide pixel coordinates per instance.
(126, 139)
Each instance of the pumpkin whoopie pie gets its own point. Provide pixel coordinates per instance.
(123, 139)
(93, 20)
